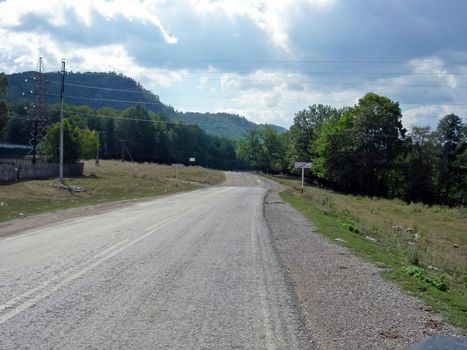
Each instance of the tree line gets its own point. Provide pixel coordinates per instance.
(365, 150)
(132, 134)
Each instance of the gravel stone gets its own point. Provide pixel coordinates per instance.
(344, 300)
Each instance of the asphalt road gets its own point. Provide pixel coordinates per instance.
(190, 271)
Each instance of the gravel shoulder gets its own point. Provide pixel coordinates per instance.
(344, 300)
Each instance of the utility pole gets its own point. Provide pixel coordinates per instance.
(123, 149)
(98, 147)
(39, 109)
(62, 96)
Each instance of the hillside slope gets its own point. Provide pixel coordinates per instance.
(120, 92)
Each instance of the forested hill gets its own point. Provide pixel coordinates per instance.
(120, 92)
(221, 124)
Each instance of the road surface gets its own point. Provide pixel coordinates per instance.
(190, 271)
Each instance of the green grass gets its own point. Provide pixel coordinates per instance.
(111, 181)
(425, 247)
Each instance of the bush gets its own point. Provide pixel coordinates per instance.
(439, 281)
(77, 143)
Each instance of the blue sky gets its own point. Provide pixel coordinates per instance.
(262, 59)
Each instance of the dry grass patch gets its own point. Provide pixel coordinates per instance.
(111, 181)
(424, 246)
(431, 236)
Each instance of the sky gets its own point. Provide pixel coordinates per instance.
(262, 59)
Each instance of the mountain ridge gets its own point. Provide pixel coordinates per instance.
(110, 89)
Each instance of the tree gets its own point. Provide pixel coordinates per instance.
(4, 115)
(88, 143)
(451, 167)
(251, 149)
(335, 159)
(379, 139)
(263, 149)
(137, 129)
(358, 150)
(18, 131)
(77, 143)
(274, 149)
(304, 130)
(419, 166)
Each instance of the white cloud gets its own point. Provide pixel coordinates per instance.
(272, 97)
(216, 40)
(268, 15)
(20, 51)
(92, 59)
(55, 11)
(430, 115)
(202, 83)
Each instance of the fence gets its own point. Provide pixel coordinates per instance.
(18, 172)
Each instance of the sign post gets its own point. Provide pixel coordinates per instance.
(177, 166)
(303, 166)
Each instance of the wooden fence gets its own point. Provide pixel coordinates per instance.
(18, 172)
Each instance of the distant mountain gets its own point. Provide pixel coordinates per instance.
(226, 125)
(120, 92)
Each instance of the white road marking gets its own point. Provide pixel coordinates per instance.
(11, 303)
(26, 234)
(101, 257)
(68, 222)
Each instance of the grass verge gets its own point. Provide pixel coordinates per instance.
(111, 181)
(424, 247)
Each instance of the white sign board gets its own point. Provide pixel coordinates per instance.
(302, 165)
(192, 159)
(176, 165)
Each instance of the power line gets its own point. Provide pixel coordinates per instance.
(282, 99)
(127, 118)
(102, 88)
(108, 100)
(296, 81)
(456, 62)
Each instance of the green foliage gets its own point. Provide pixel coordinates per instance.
(149, 137)
(335, 151)
(263, 149)
(364, 149)
(418, 166)
(349, 224)
(139, 133)
(4, 115)
(117, 88)
(251, 149)
(452, 163)
(438, 281)
(230, 126)
(3, 84)
(77, 143)
(304, 131)
(436, 289)
(357, 151)
(88, 144)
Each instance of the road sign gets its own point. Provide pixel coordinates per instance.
(302, 165)
(192, 159)
(176, 165)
